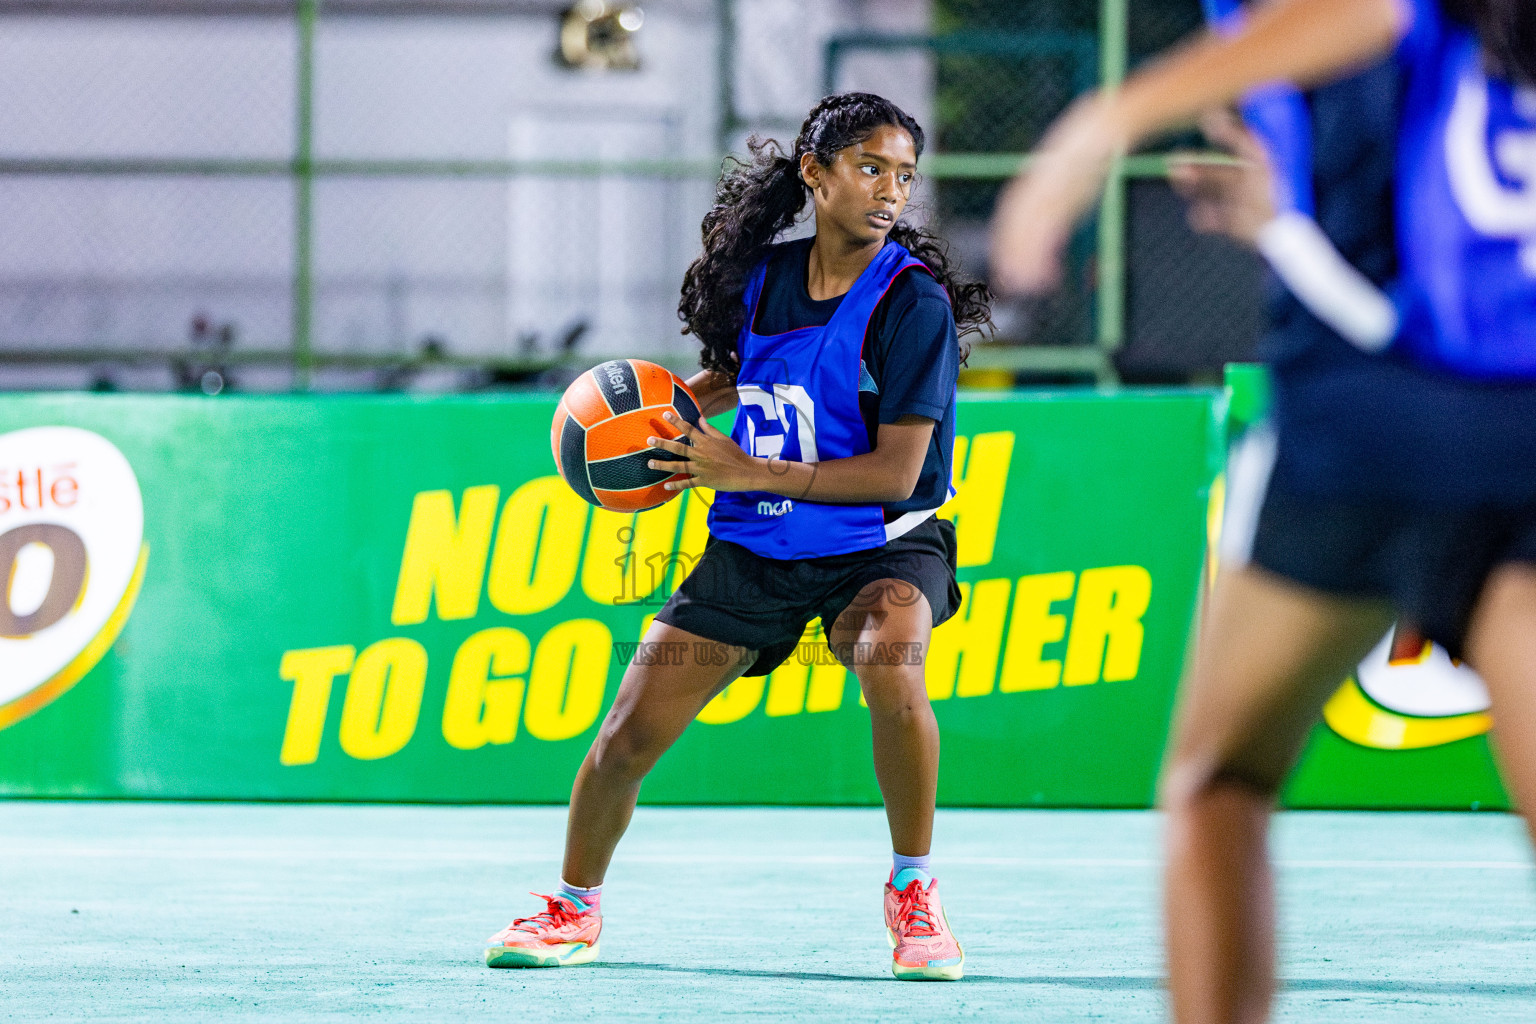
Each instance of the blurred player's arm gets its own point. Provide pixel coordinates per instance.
(887, 474)
(1237, 200)
(1300, 41)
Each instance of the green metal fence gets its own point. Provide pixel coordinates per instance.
(1055, 50)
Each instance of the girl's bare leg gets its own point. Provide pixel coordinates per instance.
(1268, 656)
(890, 622)
(654, 705)
(1501, 645)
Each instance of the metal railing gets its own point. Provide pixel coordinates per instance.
(1100, 59)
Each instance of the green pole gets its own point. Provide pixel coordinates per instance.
(303, 202)
(1113, 56)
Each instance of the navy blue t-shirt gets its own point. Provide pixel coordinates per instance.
(911, 356)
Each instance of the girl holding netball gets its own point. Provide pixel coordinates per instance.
(1400, 481)
(841, 353)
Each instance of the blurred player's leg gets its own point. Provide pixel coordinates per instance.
(1501, 646)
(1268, 656)
(883, 636)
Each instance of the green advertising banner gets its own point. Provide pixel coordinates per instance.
(391, 598)
(381, 598)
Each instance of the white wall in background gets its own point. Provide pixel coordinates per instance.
(606, 252)
(125, 261)
(782, 57)
(102, 87)
(458, 253)
(478, 263)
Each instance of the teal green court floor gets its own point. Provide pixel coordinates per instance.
(203, 912)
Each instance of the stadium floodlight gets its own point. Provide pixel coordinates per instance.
(599, 35)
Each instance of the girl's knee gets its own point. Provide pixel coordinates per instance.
(1195, 780)
(625, 749)
(895, 689)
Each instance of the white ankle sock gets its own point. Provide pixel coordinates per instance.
(905, 869)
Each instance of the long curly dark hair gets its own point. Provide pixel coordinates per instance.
(757, 201)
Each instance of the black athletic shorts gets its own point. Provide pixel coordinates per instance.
(734, 596)
(1430, 562)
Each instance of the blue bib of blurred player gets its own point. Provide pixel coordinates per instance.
(798, 401)
(1467, 215)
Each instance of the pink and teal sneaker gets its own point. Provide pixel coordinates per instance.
(563, 935)
(923, 947)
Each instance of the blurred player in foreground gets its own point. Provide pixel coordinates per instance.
(842, 353)
(1403, 471)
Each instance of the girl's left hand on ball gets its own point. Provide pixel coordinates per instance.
(713, 459)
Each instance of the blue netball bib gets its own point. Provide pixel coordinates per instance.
(1466, 207)
(797, 398)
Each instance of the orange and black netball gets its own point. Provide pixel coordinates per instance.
(600, 430)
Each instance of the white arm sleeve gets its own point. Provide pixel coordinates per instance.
(1336, 293)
